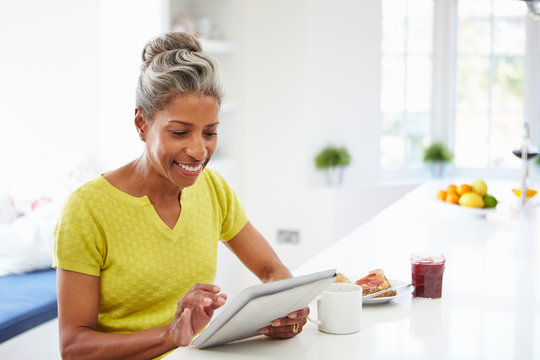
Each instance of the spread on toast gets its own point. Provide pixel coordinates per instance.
(375, 281)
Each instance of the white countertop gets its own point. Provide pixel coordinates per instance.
(490, 307)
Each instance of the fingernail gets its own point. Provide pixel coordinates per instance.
(264, 331)
(292, 316)
(207, 301)
(276, 323)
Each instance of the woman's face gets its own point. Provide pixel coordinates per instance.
(181, 139)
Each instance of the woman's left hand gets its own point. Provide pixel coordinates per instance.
(287, 327)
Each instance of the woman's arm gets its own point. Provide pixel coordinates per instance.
(259, 257)
(78, 302)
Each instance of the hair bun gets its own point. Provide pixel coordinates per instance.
(167, 42)
(174, 64)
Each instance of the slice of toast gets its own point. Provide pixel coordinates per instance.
(342, 279)
(375, 281)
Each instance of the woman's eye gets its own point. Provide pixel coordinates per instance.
(185, 133)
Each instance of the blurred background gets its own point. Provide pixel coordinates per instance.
(382, 78)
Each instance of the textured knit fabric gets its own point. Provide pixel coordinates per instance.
(144, 266)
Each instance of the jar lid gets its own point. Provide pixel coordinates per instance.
(427, 258)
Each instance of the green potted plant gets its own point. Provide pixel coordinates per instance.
(437, 155)
(333, 160)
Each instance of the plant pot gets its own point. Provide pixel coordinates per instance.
(437, 169)
(334, 176)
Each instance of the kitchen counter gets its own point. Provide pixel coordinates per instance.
(490, 307)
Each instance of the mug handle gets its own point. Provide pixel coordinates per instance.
(313, 320)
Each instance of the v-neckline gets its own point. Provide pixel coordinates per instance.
(174, 222)
(158, 221)
(151, 212)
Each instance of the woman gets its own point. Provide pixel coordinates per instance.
(136, 247)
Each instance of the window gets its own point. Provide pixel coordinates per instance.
(453, 70)
(406, 80)
(490, 68)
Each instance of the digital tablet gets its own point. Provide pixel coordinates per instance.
(259, 305)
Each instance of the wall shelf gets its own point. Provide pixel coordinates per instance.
(212, 46)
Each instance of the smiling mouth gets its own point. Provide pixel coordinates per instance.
(190, 170)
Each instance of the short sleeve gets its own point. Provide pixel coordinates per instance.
(233, 215)
(78, 244)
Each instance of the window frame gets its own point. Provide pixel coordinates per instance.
(442, 124)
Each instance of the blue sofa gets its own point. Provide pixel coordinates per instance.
(26, 301)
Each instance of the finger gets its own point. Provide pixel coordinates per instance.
(216, 298)
(288, 322)
(215, 305)
(185, 328)
(294, 328)
(206, 287)
(185, 318)
(206, 305)
(193, 302)
(299, 314)
(219, 301)
(281, 332)
(202, 298)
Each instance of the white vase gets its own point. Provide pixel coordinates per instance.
(438, 169)
(334, 176)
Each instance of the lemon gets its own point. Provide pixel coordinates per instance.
(471, 199)
(528, 194)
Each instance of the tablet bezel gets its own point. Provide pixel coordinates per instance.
(315, 283)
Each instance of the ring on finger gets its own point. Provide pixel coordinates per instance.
(295, 328)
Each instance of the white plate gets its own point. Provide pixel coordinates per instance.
(400, 292)
(477, 211)
(500, 209)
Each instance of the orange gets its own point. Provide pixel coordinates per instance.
(452, 198)
(451, 189)
(463, 188)
(441, 195)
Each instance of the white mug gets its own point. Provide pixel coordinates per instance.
(339, 309)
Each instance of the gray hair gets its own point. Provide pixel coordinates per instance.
(174, 64)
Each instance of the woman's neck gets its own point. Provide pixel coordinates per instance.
(138, 178)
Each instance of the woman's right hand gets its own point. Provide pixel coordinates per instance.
(194, 311)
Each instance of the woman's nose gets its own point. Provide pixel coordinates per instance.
(196, 148)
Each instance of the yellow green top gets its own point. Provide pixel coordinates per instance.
(144, 266)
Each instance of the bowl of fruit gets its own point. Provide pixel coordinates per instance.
(473, 197)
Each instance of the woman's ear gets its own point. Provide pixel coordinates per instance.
(140, 123)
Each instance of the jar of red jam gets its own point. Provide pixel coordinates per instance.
(427, 274)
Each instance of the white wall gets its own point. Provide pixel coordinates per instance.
(308, 75)
(48, 92)
(311, 77)
(69, 71)
(125, 26)
(274, 144)
(342, 87)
